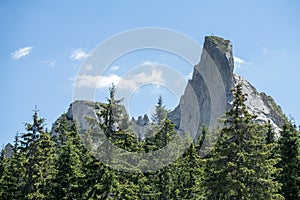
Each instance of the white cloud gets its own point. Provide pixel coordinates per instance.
(106, 81)
(153, 76)
(114, 68)
(238, 62)
(129, 82)
(148, 62)
(78, 54)
(88, 67)
(189, 76)
(90, 81)
(20, 53)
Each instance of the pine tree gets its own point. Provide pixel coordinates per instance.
(289, 147)
(239, 166)
(14, 171)
(39, 159)
(2, 166)
(70, 176)
(270, 134)
(94, 183)
(43, 167)
(160, 112)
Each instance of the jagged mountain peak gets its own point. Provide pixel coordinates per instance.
(218, 51)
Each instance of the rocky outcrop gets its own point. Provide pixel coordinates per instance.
(217, 52)
(262, 105)
(140, 126)
(212, 77)
(206, 98)
(8, 149)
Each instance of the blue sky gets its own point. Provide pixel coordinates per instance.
(43, 44)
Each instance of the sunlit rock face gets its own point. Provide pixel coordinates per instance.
(196, 101)
(261, 105)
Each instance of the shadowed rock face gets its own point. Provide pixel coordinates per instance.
(216, 65)
(217, 52)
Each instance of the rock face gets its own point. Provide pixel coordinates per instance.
(8, 149)
(207, 95)
(261, 105)
(83, 110)
(80, 111)
(140, 125)
(215, 67)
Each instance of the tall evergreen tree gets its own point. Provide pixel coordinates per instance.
(39, 159)
(289, 147)
(69, 178)
(43, 167)
(13, 180)
(2, 166)
(190, 174)
(239, 166)
(160, 111)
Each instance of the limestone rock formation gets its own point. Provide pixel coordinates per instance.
(8, 149)
(207, 95)
(262, 105)
(212, 77)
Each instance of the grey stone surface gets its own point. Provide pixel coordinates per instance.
(212, 77)
(215, 68)
(81, 111)
(262, 105)
(8, 149)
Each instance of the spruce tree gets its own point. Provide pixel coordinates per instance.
(70, 176)
(160, 112)
(2, 166)
(14, 171)
(289, 147)
(44, 167)
(39, 159)
(239, 166)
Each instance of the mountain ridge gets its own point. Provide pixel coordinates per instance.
(218, 51)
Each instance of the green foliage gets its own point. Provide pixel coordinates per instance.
(289, 152)
(222, 44)
(240, 166)
(244, 163)
(160, 112)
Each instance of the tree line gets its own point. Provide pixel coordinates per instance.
(248, 161)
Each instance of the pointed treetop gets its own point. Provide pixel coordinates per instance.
(35, 110)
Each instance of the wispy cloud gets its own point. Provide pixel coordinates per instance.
(273, 52)
(20, 53)
(148, 62)
(114, 68)
(78, 54)
(106, 81)
(88, 67)
(238, 62)
(50, 63)
(90, 81)
(189, 76)
(130, 82)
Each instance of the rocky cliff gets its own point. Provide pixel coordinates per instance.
(207, 95)
(261, 105)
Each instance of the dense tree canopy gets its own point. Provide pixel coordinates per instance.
(248, 161)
